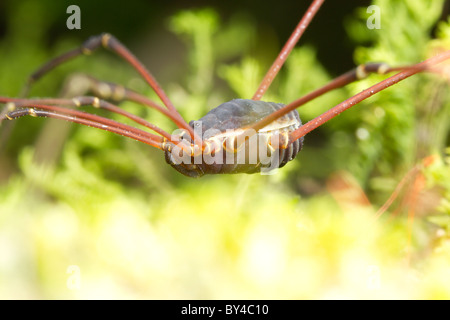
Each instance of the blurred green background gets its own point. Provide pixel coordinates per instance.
(89, 214)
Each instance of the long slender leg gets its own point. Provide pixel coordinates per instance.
(113, 91)
(88, 120)
(358, 73)
(74, 113)
(78, 102)
(290, 44)
(48, 67)
(110, 42)
(333, 112)
(398, 188)
(411, 174)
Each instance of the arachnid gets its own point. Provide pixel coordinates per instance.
(239, 136)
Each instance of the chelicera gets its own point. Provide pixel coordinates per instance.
(239, 136)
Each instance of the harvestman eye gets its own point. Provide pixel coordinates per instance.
(250, 135)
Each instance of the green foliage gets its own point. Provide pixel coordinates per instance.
(138, 229)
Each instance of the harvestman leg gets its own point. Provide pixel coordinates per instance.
(340, 81)
(13, 104)
(359, 73)
(113, 91)
(333, 112)
(103, 90)
(87, 119)
(110, 42)
(290, 44)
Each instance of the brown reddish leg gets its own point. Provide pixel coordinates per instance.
(110, 42)
(416, 180)
(78, 102)
(116, 92)
(341, 81)
(290, 44)
(88, 120)
(113, 91)
(358, 73)
(333, 112)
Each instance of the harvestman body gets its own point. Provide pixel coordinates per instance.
(239, 136)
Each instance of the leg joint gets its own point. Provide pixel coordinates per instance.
(105, 39)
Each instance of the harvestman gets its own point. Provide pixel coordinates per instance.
(239, 136)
